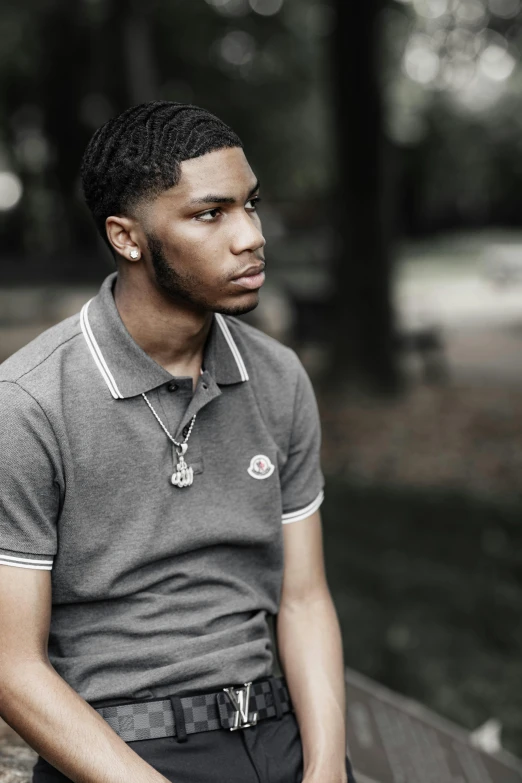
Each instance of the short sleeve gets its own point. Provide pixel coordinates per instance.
(302, 480)
(29, 484)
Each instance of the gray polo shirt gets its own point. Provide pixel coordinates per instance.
(156, 589)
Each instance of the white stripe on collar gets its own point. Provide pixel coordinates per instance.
(96, 352)
(233, 347)
(108, 377)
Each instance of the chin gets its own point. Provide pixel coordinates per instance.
(246, 305)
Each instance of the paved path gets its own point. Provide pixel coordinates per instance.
(480, 321)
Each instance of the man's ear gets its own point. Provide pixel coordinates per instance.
(123, 236)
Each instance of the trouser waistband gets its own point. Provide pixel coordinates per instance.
(231, 708)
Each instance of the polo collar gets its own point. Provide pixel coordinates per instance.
(127, 369)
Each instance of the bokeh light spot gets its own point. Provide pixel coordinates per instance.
(458, 73)
(497, 63)
(266, 7)
(237, 47)
(431, 9)
(506, 9)
(471, 12)
(230, 7)
(10, 190)
(421, 63)
(462, 43)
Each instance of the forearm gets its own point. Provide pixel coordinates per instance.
(310, 651)
(54, 720)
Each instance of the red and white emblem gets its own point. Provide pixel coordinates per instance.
(260, 467)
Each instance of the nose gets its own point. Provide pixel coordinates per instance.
(247, 235)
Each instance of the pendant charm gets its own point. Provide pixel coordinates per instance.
(183, 476)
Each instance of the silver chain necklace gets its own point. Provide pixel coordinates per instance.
(183, 476)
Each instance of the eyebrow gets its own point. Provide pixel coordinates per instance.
(213, 198)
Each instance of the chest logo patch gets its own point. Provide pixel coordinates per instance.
(260, 467)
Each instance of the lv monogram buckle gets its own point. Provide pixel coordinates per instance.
(240, 698)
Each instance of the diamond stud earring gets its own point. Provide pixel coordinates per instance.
(134, 253)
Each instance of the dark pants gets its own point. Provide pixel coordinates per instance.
(270, 752)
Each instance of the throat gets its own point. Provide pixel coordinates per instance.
(174, 338)
(188, 370)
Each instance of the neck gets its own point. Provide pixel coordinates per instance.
(172, 335)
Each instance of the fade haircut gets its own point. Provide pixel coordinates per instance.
(137, 154)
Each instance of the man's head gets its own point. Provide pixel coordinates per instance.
(172, 193)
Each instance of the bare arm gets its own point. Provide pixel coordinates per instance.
(310, 650)
(46, 712)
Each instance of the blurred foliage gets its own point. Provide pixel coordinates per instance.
(450, 73)
(428, 586)
(66, 67)
(454, 103)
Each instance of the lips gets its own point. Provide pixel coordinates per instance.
(252, 278)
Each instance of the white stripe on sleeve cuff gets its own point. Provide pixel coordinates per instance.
(26, 562)
(302, 513)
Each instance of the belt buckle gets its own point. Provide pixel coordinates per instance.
(240, 698)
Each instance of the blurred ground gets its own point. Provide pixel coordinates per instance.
(470, 288)
(423, 531)
(429, 593)
(460, 437)
(16, 758)
(462, 431)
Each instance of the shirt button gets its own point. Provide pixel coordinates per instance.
(172, 387)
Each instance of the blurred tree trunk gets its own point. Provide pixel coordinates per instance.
(125, 62)
(140, 60)
(363, 330)
(109, 55)
(113, 59)
(62, 82)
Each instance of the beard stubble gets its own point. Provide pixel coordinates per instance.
(185, 287)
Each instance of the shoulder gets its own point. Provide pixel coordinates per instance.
(36, 355)
(265, 357)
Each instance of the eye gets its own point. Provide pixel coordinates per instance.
(254, 201)
(209, 216)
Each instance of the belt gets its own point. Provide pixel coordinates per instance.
(174, 716)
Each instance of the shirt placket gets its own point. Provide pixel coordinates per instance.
(181, 405)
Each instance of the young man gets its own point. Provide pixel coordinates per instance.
(158, 459)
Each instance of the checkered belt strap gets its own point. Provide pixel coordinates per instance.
(153, 719)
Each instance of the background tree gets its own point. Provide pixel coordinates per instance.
(362, 316)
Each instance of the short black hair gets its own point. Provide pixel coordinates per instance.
(138, 154)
